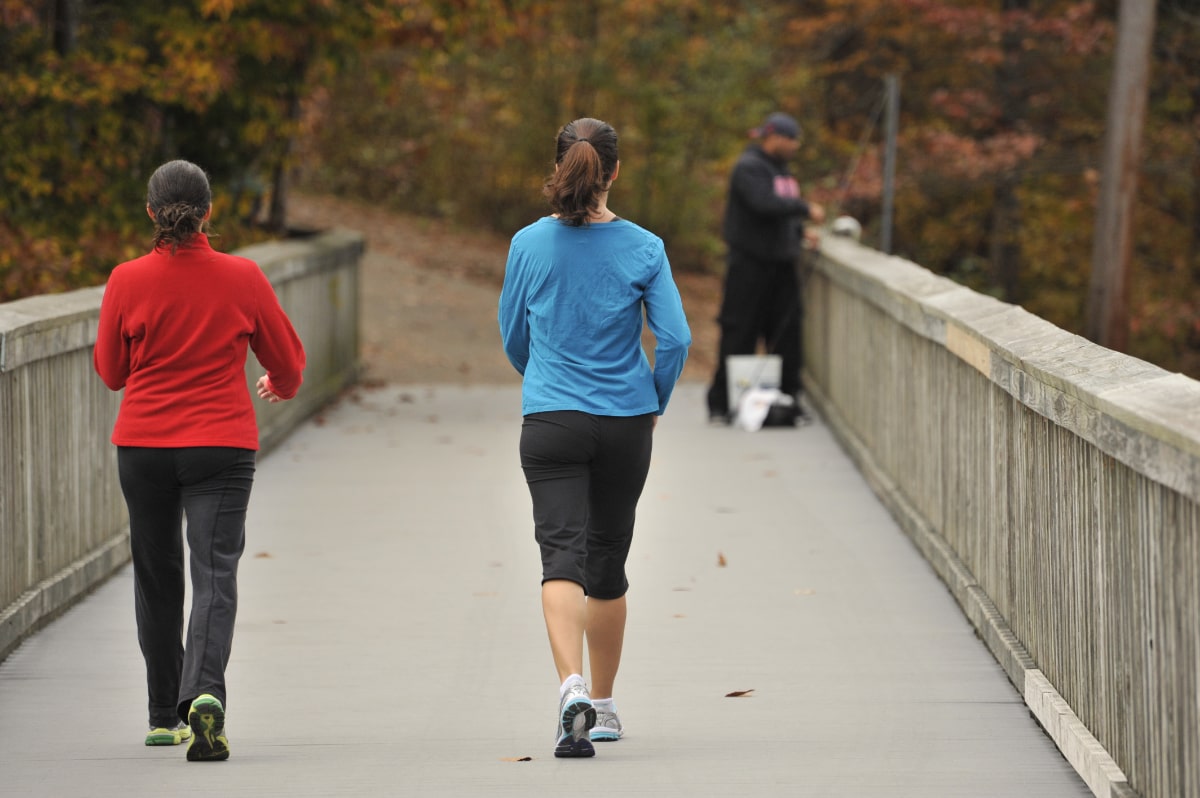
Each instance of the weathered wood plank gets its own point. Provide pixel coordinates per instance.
(1055, 486)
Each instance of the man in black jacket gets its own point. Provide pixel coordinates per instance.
(764, 232)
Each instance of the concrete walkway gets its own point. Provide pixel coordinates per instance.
(390, 640)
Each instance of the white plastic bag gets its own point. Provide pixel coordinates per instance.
(753, 407)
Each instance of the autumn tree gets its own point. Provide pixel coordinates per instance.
(1003, 121)
(465, 127)
(1165, 265)
(95, 95)
(449, 107)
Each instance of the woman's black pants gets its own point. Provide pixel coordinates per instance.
(211, 487)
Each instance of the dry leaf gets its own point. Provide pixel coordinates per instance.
(263, 555)
(739, 693)
(678, 615)
(517, 759)
(720, 560)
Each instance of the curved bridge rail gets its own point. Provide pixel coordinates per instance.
(63, 527)
(1053, 484)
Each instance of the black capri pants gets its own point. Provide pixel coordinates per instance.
(585, 475)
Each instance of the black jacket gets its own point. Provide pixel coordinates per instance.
(764, 212)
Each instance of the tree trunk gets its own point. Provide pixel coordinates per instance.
(1005, 247)
(277, 214)
(1005, 232)
(65, 25)
(1194, 252)
(1108, 293)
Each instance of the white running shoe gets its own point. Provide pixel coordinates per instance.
(607, 728)
(576, 717)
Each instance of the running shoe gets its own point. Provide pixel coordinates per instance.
(207, 719)
(576, 717)
(168, 735)
(607, 728)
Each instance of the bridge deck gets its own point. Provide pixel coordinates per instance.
(390, 640)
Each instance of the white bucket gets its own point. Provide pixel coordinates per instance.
(744, 372)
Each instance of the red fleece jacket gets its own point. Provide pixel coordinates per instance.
(173, 333)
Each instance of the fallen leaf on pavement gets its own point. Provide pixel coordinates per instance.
(517, 759)
(262, 555)
(720, 560)
(740, 693)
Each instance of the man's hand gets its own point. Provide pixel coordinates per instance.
(816, 212)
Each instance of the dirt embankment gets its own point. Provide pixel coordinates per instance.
(429, 294)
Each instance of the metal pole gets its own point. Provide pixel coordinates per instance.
(891, 123)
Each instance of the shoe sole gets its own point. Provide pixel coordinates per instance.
(207, 722)
(578, 718)
(605, 736)
(164, 736)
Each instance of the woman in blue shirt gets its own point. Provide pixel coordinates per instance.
(576, 287)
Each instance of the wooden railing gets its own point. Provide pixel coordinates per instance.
(63, 526)
(1052, 483)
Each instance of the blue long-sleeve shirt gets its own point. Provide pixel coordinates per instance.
(571, 318)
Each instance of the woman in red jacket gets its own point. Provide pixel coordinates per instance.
(174, 327)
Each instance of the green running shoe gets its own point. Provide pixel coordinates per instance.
(207, 719)
(168, 735)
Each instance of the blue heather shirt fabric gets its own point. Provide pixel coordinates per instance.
(571, 318)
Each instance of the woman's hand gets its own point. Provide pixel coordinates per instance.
(264, 390)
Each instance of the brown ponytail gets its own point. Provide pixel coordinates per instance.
(179, 196)
(586, 157)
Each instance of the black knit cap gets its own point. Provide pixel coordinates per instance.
(780, 124)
